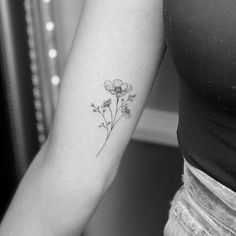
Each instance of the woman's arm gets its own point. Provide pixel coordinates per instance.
(115, 40)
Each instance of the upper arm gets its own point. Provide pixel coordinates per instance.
(115, 40)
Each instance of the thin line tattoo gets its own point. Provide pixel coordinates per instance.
(123, 97)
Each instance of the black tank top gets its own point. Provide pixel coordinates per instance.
(201, 37)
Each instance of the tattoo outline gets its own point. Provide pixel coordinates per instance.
(123, 97)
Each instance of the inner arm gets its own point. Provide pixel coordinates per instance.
(116, 53)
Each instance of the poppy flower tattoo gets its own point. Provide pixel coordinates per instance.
(112, 115)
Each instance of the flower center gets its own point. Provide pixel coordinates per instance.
(118, 89)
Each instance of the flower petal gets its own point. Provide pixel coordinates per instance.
(124, 86)
(129, 88)
(127, 115)
(117, 82)
(108, 85)
(106, 103)
(120, 94)
(112, 92)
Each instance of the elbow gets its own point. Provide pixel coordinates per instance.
(80, 172)
(76, 176)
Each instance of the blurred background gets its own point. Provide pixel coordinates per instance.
(35, 39)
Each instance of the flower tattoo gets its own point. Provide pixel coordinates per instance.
(112, 115)
(117, 87)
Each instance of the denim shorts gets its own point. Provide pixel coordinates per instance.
(201, 206)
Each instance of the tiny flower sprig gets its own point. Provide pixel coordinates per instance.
(111, 116)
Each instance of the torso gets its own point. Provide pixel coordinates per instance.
(201, 37)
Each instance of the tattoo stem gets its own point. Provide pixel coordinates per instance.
(122, 104)
(114, 121)
(108, 134)
(118, 119)
(104, 119)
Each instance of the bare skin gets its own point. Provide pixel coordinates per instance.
(115, 39)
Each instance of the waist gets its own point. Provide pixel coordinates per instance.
(207, 139)
(214, 198)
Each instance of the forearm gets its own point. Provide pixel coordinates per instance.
(115, 40)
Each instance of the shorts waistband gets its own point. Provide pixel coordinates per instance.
(214, 198)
